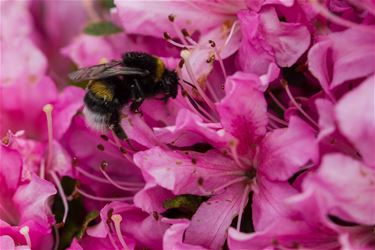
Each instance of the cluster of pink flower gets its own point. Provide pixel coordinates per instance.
(270, 145)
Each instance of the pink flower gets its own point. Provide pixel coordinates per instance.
(269, 41)
(25, 213)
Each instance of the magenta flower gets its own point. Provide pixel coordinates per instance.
(25, 215)
(268, 144)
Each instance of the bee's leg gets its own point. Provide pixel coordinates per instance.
(137, 96)
(115, 126)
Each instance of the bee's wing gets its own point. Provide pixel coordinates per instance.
(105, 70)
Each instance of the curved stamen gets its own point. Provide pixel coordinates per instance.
(276, 119)
(229, 183)
(62, 195)
(116, 184)
(242, 205)
(234, 25)
(57, 237)
(116, 218)
(278, 103)
(98, 198)
(286, 87)
(102, 180)
(233, 149)
(48, 108)
(185, 54)
(218, 56)
(171, 18)
(111, 238)
(42, 169)
(25, 232)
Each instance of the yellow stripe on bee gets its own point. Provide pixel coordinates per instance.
(160, 68)
(101, 90)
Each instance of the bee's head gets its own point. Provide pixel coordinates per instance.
(170, 83)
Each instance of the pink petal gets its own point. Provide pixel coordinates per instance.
(34, 199)
(357, 122)
(10, 170)
(181, 172)
(326, 118)
(269, 202)
(189, 129)
(151, 197)
(67, 105)
(243, 110)
(343, 187)
(210, 223)
(149, 18)
(284, 151)
(173, 238)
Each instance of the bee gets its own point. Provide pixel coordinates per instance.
(115, 84)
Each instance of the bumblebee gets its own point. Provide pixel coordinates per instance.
(113, 85)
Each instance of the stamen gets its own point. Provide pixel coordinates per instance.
(111, 237)
(42, 169)
(102, 169)
(48, 108)
(90, 9)
(217, 54)
(229, 183)
(212, 91)
(102, 180)
(98, 198)
(276, 119)
(116, 218)
(185, 54)
(169, 39)
(62, 195)
(206, 116)
(323, 11)
(172, 18)
(233, 148)
(234, 25)
(188, 37)
(278, 103)
(25, 232)
(57, 237)
(286, 87)
(242, 205)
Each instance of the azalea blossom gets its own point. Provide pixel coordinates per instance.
(268, 144)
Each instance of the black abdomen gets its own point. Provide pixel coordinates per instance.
(140, 60)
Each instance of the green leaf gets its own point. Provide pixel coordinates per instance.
(183, 206)
(103, 28)
(107, 4)
(90, 217)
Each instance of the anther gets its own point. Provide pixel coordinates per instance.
(171, 17)
(185, 32)
(25, 232)
(100, 147)
(104, 137)
(181, 63)
(123, 150)
(212, 43)
(74, 161)
(103, 164)
(167, 36)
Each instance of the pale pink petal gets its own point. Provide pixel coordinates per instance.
(243, 110)
(34, 199)
(285, 151)
(269, 202)
(151, 197)
(66, 106)
(184, 172)
(210, 223)
(342, 187)
(355, 114)
(173, 238)
(326, 118)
